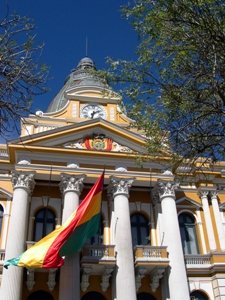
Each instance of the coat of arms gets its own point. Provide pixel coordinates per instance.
(98, 142)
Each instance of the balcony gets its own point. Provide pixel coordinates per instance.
(151, 255)
(3, 152)
(150, 261)
(97, 260)
(205, 264)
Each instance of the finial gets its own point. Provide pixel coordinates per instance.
(86, 52)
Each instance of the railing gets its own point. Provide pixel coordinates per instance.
(2, 255)
(150, 252)
(3, 153)
(197, 259)
(98, 251)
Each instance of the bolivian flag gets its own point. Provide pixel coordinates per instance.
(67, 239)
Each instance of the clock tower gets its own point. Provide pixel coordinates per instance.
(84, 96)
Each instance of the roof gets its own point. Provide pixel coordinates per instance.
(82, 76)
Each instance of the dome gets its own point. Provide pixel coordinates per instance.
(86, 62)
(82, 76)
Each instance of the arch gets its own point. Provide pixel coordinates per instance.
(40, 295)
(44, 223)
(145, 296)
(139, 229)
(188, 233)
(199, 295)
(1, 217)
(93, 296)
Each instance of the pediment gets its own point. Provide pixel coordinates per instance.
(5, 194)
(96, 135)
(186, 202)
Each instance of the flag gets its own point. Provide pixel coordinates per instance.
(67, 239)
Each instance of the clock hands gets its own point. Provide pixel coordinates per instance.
(94, 112)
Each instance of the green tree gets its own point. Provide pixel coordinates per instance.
(176, 84)
(21, 75)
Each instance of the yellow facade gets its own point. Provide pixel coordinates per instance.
(66, 142)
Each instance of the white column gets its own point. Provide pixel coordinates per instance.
(208, 221)
(12, 279)
(201, 232)
(177, 278)
(5, 224)
(125, 278)
(69, 286)
(218, 220)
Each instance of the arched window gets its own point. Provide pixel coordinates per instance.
(1, 217)
(93, 296)
(145, 296)
(197, 295)
(40, 295)
(44, 223)
(188, 234)
(139, 230)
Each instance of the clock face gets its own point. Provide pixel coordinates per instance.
(92, 111)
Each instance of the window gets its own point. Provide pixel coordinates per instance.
(97, 239)
(93, 296)
(139, 230)
(40, 295)
(188, 233)
(1, 217)
(44, 223)
(145, 296)
(196, 295)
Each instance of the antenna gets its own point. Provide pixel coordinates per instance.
(86, 47)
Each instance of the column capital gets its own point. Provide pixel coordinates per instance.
(120, 185)
(167, 188)
(214, 194)
(203, 193)
(72, 183)
(23, 180)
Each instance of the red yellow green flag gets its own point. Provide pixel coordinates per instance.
(67, 239)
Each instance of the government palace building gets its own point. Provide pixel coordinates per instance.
(159, 238)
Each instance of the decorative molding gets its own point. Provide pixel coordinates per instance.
(23, 180)
(140, 273)
(97, 142)
(155, 277)
(214, 194)
(30, 279)
(71, 183)
(167, 188)
(74, 110)
(85, 279)
(73, 165)
(112, 114)
(24, 162)
(203, 193)
(119, 185)
(120, 169)
(105, 278)
(51, 279)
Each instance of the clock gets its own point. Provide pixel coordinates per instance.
(92, 111)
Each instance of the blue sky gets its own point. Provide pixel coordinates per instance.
(64, 25)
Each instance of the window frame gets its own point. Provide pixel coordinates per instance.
(186, 230)
(45, 218)
(138, 225)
